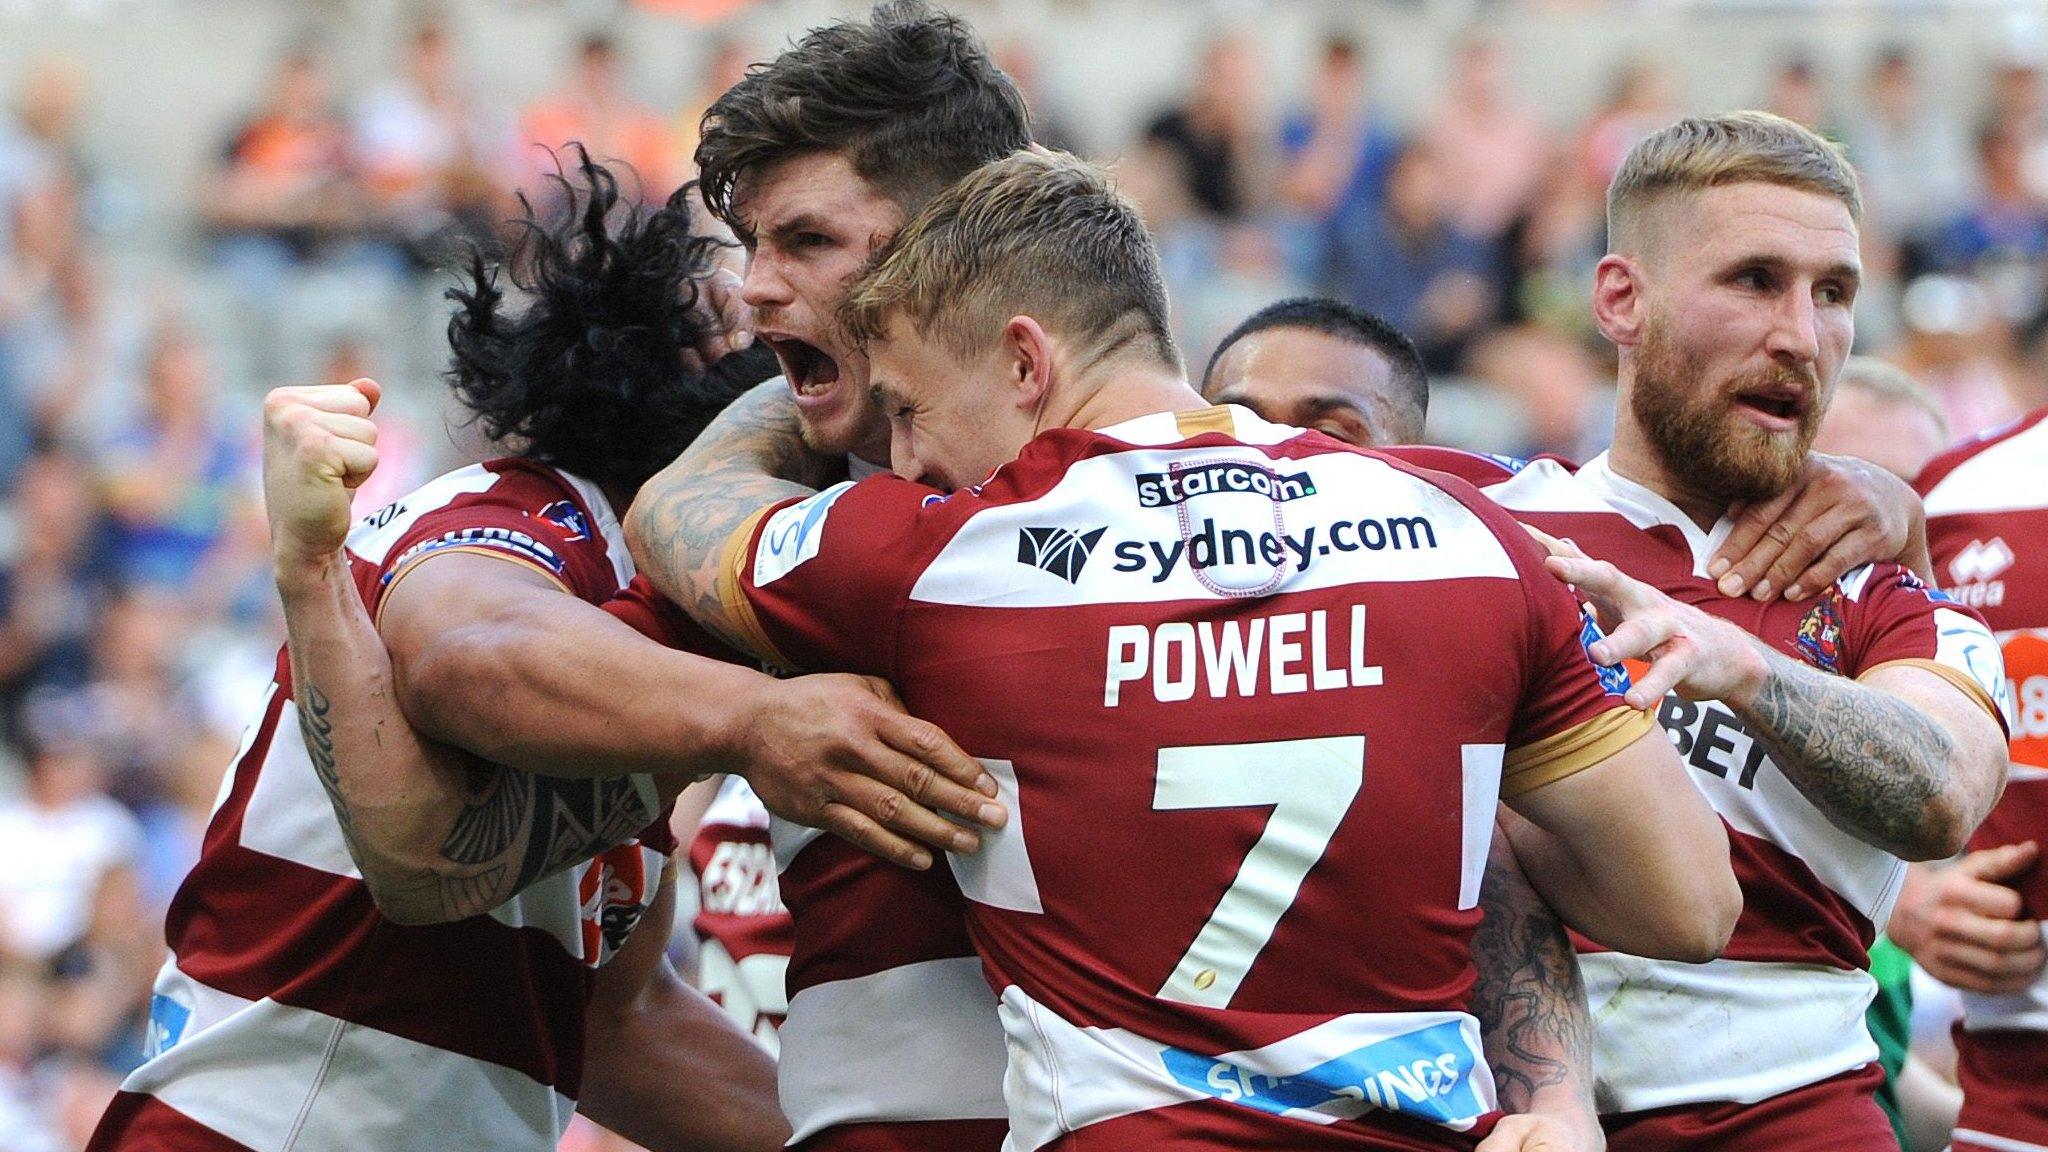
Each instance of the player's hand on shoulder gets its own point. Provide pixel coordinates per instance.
(1697, 655)
(1843, 512)
(1966, 927)
(1537, 1133)
(318, 447)
(838, 752)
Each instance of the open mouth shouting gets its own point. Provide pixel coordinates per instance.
(812, 373)
(1775, 407)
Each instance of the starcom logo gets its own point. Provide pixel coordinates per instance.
(1060, 551)
(1162, 489)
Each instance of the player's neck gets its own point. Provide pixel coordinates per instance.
(1115, 393)
(1632, 458)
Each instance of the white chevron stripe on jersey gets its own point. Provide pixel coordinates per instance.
(288, 815)
(373, 535)
(1669, 1033)
(933, 1023)
(1967, 1139)
(1985, 482)
(283, 1079)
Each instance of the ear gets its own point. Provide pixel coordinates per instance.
(1030, 352)
(1618, 301)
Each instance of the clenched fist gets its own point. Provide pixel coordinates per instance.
(318, 447)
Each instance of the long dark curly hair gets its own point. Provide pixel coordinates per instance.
(587, 375)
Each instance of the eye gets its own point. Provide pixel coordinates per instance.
(1754, 279)
(1832, 294)
(810, 240)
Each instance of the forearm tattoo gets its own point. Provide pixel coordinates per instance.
(1528, 998)
(316, 728)
(516, 828)
(1869, 760)
(752, 456)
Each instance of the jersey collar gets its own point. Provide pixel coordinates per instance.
(1646, 509)
(1232, 420)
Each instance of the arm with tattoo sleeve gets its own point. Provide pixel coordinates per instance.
(1530, 1002)
(1900, 759)
(751, 457)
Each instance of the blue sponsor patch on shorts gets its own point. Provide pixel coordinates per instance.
(1426, 1074)
(167, 1021)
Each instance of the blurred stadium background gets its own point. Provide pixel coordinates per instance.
(200, 199)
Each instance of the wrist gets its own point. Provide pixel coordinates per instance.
(735, 698)
(1751, 671)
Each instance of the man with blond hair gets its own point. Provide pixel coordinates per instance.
(1838, 736)
(1881, 414)
(1235, 901)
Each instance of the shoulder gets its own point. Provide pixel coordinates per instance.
(1958, 478)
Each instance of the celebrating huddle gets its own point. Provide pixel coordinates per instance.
(1149, 772)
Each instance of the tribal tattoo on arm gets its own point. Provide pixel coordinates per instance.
(1875, 764)
(1528, 997)
(751, 457)
(517, 828)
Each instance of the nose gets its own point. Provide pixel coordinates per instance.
(763, 285)
(1795, 331)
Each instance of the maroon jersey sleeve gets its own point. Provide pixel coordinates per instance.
(1572, 714)
(1883, 614)
(657, 617)
(528, 516)
(821, 583)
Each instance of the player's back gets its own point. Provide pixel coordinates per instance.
(1250, 696)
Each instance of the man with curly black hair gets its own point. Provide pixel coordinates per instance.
(444, 928)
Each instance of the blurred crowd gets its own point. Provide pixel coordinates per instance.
(137, 622)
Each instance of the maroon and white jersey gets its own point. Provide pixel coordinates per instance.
(292, 1016)
(743, 930)
(1783, 1005)
(1987, 525)
(889, 1040)
(1252, 697)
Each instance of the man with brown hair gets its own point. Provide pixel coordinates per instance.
(1224, 990)
(1835, 736)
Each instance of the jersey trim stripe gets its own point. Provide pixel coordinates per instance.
(1573, 750)
(1201, 420)
(1966, 1138)
(398, 577)
(731, 584)
(1970, 687)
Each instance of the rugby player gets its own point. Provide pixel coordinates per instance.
(1987, 523)
(309, 1002)
(1322, 364)
(1838, 737)
(1329, 1027)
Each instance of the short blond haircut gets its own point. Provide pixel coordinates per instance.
(1701, 152)
(1888, 383)
(1039, 234)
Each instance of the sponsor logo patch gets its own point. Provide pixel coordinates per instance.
(506, 540)
(167, 1021)
(569, 518)
(792, 535)
(1060, 551)
(1981, 560)
(1164, 489)
(1613, 677)
(1426, 1074)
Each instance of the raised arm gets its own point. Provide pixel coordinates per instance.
(1904, 759)
(750, 458)
(1531, 1006)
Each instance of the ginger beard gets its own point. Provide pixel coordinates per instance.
(1700, 438)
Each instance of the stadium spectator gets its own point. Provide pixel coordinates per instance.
(725, 61)
(1407, 260)
(594, 109)
(65, 847)
(1493, 153)
(1334, 157)
(1960, 349)
(1915, 166)
(284, 190)
(172, 477)
(1216, 139)
(1795, 92)
(1558, 397)
(1639, 102)
(430, 159)
(49, 595)
(2000, 236)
